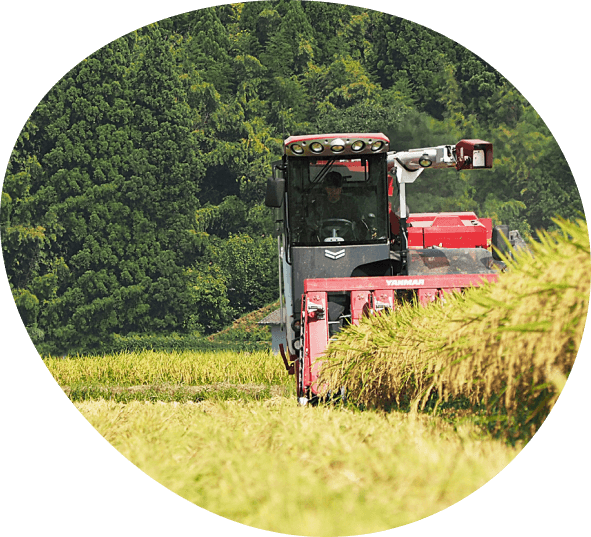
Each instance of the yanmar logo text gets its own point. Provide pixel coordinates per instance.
(395, 283)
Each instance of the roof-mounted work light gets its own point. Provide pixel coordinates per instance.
(297, 149)
(425, 161)
(377, 145)
(338, 145)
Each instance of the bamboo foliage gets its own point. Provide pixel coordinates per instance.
(506, 347)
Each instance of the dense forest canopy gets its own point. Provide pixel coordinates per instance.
(133, 199)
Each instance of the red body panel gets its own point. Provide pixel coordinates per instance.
(316, 335)
(373, 283)
(448, 230)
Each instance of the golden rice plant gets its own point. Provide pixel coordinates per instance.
(377, 361)
(355, 473)
(179, 367)
(507, 347)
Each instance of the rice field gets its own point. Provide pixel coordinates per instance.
(440, 400)
(225, 432)
(156, 368)
(322, 471)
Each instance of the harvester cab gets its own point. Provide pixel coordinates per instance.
(348, 246)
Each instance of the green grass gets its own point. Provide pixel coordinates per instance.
(172, 376)
(320, 471)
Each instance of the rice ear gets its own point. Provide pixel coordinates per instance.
(508, 346)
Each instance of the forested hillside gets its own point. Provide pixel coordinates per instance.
(132, 203)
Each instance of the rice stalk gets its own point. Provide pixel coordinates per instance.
(500, 347)
(179, 367)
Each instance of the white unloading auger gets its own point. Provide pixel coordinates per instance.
(408, 165)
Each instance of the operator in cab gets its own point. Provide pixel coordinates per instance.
(337, 216)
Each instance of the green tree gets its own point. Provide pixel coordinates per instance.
(242, 143)
(339, 85)
(117, 187)
(207, 47)
(384, 113)
(209, 290)
(250, 269)
(408, 52)
(530, 181)
(185, 117)
(241, 266)
(291, 46)
(328, 21)
(27, 240)
(551, 192)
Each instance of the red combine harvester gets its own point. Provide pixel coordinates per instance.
(348, 247)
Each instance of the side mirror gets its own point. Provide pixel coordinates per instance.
(500, 242)
(275, 192)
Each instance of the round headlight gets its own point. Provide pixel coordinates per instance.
(425, 161)
(377, 145)
(317, 147)
(338, 145)
(357, 145)
(297, 149)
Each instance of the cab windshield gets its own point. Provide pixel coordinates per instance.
(337, 201)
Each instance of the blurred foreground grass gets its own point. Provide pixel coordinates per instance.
(320, 471)
(502, 351)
